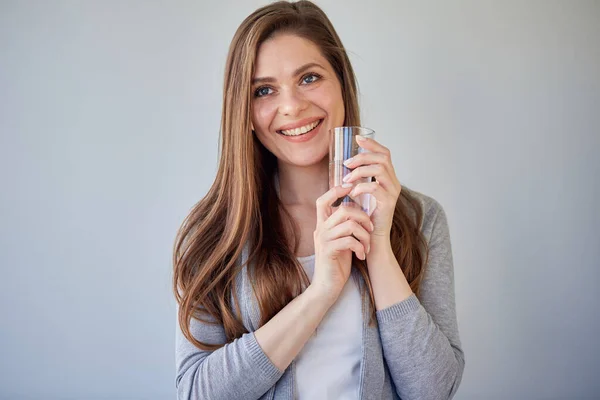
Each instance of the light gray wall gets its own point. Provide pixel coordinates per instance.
(109, 114)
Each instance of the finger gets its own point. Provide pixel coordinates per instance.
(367, 159)
(345, 213)
(372, 145)
(350, 228)
(373, 188)
(326, 200)
(348, 243)
(367, 171)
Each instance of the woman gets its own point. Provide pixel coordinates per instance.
(264, 259)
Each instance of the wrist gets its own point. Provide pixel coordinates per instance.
(381, 247)
(320, 295)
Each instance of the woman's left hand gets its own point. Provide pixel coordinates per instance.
(386, 188)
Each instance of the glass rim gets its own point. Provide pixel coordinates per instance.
(367, 131)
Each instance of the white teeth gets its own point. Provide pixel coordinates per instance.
(301, 130)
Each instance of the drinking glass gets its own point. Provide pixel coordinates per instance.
(342, 146)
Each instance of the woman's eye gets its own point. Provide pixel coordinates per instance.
(262, 91)
(310, 78)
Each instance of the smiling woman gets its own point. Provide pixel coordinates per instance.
(298, 103)
(264, 259)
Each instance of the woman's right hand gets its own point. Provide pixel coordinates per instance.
(340, 231)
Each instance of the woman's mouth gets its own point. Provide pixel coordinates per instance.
(303, 130)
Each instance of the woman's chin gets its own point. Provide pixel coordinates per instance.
(309, 160)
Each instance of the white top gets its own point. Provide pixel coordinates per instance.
(328, 366)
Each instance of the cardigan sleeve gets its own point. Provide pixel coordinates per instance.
(238, 370)
(419, 336)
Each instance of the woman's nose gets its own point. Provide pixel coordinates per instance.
(292, 102)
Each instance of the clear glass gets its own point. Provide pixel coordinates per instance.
(342, 146)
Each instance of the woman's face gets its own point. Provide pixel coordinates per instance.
(296, 99)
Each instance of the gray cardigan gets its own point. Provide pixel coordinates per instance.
(413, 352)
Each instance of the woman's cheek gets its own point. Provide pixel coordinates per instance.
(263, 115)
(330, 96)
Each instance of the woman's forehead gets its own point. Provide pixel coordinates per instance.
(279, 57)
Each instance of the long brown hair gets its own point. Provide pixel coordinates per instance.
(242, 206)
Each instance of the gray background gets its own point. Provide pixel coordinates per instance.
(109, 114)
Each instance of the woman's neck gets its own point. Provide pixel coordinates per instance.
(303, 185)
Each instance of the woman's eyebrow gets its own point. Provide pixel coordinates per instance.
(298, 71)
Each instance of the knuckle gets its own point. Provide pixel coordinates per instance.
(351, 217)
(349, 227)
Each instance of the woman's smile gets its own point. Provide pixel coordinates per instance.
(303, 133)
(300, 128)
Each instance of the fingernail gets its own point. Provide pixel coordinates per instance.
(372, 227)
(347, 178)
(346, 185)
(361, 138)
(348, 161)
(368, 249)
